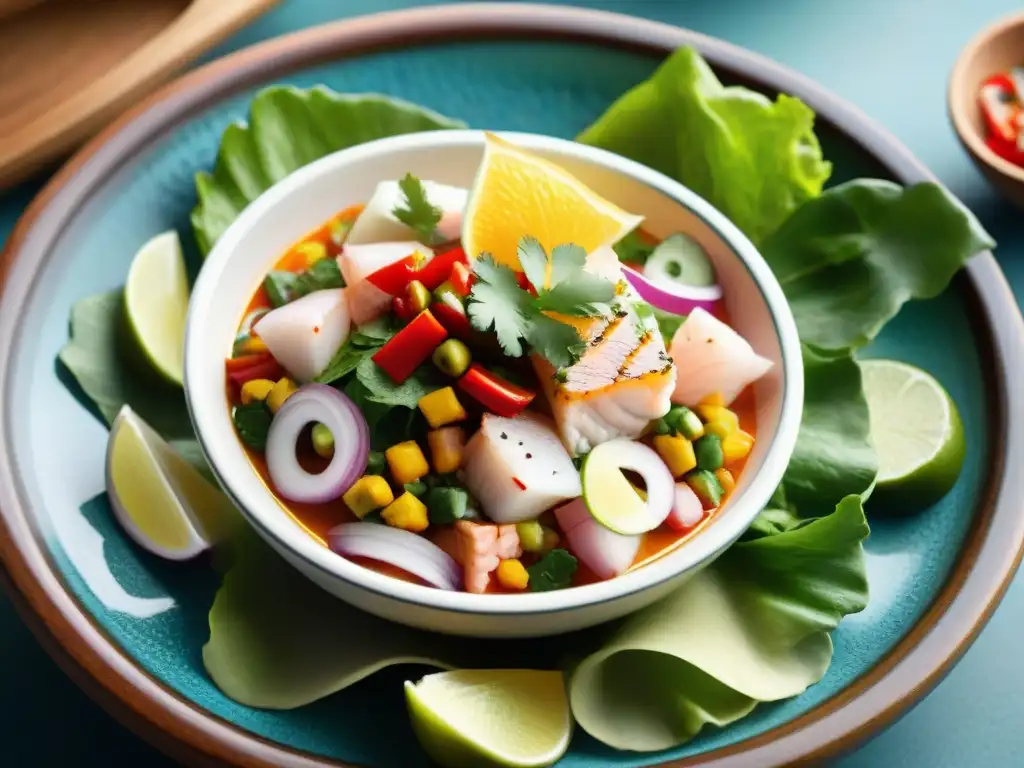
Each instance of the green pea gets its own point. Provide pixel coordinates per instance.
(685, 422)
(452, 357)
(323, 441)
(531, 535)
(418, 296)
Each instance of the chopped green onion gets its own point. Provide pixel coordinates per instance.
(706, 486)
(708, 451)
(446, 505)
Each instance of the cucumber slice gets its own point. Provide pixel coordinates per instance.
(680, 259)
(612, 500)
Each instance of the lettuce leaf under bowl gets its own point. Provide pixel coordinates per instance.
(752, 627)
(288, 128)
(756, 160)
(850, 259)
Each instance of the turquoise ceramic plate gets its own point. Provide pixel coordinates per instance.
(130, 627)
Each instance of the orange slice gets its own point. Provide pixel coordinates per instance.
(517, 193)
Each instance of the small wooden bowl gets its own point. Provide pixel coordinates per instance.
(68, 67)
(995, 49)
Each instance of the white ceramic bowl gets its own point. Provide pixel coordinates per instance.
(302, 201)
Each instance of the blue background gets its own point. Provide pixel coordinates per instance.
(971, 719)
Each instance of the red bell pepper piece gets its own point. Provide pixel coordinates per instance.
(393, 278)
(493, 392)
(453, 317)
(249, 367)
(406, 350)
(436, 270)
(1001, 107)
(462, 279)
(400, 307)
(1007, 150)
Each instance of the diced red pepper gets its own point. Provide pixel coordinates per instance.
(453, 318)
(523, 281)
(462, 279)
(1000, 107)
(1005, 149)
(400, 307)
(249, 367)
(493, 392)
(436, 270)
(410, 347)
(393, 278)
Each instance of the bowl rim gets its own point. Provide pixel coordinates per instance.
(957, 97)
(182, 727)
(264, 511)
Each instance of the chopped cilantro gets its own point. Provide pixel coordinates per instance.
(498, 302)
(252, 421)
(634, 249)
(363, 342)
(417, 211)
(324, 274)
(553, 571)
(381, 388)
(280, 286)
(668, 323)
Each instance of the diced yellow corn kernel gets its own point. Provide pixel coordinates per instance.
(725, 479)
(736, 445)
(368, 493)
(677, 453)
(512, 574)
(256, 389)
(312, 251)
(442, 407)
(718, 420)
(253, 345)
(406, 512)
(406, 462)
(715, 398)
(447, 447)
(283, 389)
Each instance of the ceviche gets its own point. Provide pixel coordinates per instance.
(576, 401)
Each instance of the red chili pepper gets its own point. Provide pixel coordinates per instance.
(493, 392)
(462, 279)
(436, 270)
(1000, 107)
(523, 281)
(249, 367)
(407, 349)
(453, 318)
(393, 278)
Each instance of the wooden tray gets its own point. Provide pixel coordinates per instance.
(68, 67)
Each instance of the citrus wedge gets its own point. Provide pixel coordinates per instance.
(491, 717)
(160, 499)
(517, 193)
(156, 301)
(917, 433)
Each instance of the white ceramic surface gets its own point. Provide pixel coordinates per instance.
(301, 202)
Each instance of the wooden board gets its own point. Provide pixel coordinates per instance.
(68, 67)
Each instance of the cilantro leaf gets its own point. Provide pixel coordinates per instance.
(583, 294)
(417, 211)
(497, 301)
(553, 571)
(633, 248)
(252, 421)
(558, 342)
(668, 323)
(324, 274)
(363, 342)
(534, 261)
(381, 388)
(566, 260)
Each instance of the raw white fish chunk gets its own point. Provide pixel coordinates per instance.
(305, 334)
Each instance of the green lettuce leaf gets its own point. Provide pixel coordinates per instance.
(756, 160)
(277, 641)
(752, 627)
(850, 259)
(287, 129)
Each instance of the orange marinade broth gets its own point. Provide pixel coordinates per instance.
(318, 519)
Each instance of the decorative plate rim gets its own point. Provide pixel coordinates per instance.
(989, 557)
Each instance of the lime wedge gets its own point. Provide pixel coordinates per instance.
(491, 717)
(160, 499)
(917, 432)
(156, 300)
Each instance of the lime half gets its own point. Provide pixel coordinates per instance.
(156, 300)
(917, 433)
(160, 499)
(491, 717)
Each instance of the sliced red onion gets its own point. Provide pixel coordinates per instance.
(673, 297)
(310, 404)
(603, 551)
(402, 549)
(687, 510)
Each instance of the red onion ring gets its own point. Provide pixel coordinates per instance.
(400, 548)
(678, 299)
(317, 403)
